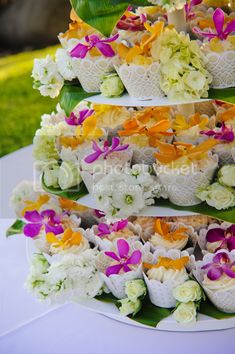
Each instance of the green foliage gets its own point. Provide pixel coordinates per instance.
(16, 228)
(226, 95)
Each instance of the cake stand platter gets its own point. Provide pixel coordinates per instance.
(128, 101)
(90, 202)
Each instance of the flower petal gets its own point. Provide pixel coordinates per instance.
(103, 229)
(105, 49)
(221, 257)
(135, 257)
(50, 214)
(32, 230)
(231, 243)
(218, 18)
(228, 271)
(215, 235)
(123, 248)
(33, 216)
(56, 229)
(112, 255)
(230, 27)
(93, 157)
(214, 273)
(126, 268)
(80, 51)
(115, 269)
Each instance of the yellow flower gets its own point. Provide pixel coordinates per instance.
(168, 263)
(69, 239)
(182, 123)
(89, 130)
(77, 29)
(30, 205)
(163, 228)
(70, 205)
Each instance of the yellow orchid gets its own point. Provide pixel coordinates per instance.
(171, 152)
(31, 205)
(70, 205)
(228, 114)
(163, 228)
(153, 114)
(77, 29)
(89, 130)
(168, 263)
(182, 123)
(69, 239)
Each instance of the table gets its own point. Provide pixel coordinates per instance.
(71, 328)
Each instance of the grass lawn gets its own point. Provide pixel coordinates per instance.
(20, 105)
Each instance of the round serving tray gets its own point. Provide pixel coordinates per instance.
(90, 202)
(128, 101)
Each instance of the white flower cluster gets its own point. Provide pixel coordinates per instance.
(120, 195)
(67, 278)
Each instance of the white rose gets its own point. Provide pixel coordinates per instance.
(128, 307)
(69, 175)
(50, 176)
(135, 289)
(188, 291)
(185, 314)
(217, 196)
(226, 175)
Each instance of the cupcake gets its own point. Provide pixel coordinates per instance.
(142, 138)
(166, 271)
(118, 266)
(226, 114)
(104, 235)
(137, 68)
(196, 221)
(216, 274)
(94, 58)
(146, 223)
(183, 168)
(103, 159)
(219, 50)
(171, 235)
(216, 237)
(187, 130)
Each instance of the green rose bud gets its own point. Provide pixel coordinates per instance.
(135, 289)
(112, 86)
(128, 307)
(217, 196)
(69, 175)
(226, 175)
(51, 174)
(185, 314)
(188, 291)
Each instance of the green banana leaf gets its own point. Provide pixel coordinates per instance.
(71, 95)
(16, 228)
(103, 15)
(226, 95)
(73, 193)
(225, 215)
(207, 308)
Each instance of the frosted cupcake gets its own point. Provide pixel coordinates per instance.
(187, 130)
(165, 272)
(219, 50)
(118, 266)
(137, 69)
(104, 158)
(196, 221)
(104, 235)
(183, 168)
(95, 58)
(142, 138)
(217, 236)
(226, 142)
(216, 274)
(171, 235)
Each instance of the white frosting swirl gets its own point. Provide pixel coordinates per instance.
(162, 274)
(225, 283)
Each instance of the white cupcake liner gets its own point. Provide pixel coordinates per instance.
(161, 294)
(203, 232)
(233, 154)
(181, 189)
(224, 300)
(222, 68)
(143, 155)
(192, 237)
(224, 153)
(105, 244)
(91, 71)
(141, 81)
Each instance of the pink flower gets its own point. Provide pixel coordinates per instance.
(227, 237)
(105, 229)
(83, 115)
(221, 264)
(225, 133)
(46, 218)
(189, 7)
(123, 258)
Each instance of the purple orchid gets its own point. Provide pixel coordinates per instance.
(221, 264)
(93, 41)
(107, 150)
(189, 7)
(123, 258)
(219, 22)
(132, 23)
(83, 115)
(227, 237)
(225, 133)
(105, 229)
(46, 218)
(99, 214)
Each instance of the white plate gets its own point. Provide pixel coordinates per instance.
(128, 101)
(90, 202)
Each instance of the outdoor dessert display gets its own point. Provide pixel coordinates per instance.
(134, 203)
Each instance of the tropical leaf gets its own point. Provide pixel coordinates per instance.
(73, 193)
(226, 95)
(16, 228)
(207, 308)
(71, 95)
(103, 15)
(225, 215)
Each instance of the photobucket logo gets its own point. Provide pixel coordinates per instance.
(184, 170)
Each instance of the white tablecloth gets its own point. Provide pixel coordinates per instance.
(72, 329)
